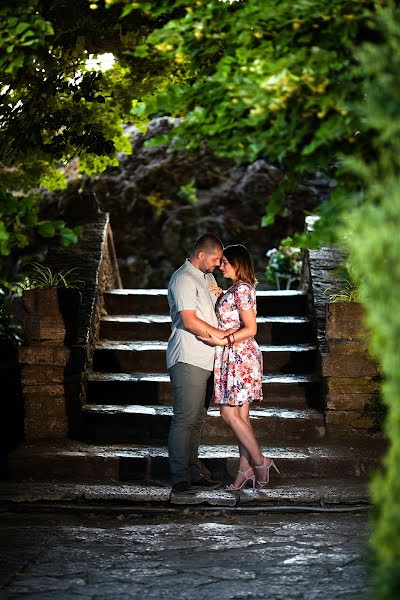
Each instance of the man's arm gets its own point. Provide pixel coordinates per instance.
(184, 294)
(192, 323)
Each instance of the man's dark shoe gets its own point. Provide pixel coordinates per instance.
(205, 484)
(182, 487)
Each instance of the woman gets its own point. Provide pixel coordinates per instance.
(238, 364)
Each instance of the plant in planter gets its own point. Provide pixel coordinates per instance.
(348, 292)
(51, 300)
(284, 266)
(344, 311)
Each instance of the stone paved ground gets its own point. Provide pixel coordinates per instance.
(212, 556)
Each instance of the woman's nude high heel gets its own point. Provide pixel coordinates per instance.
(265, 480)
(248, 476)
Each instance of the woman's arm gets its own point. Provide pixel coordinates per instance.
(249, 328)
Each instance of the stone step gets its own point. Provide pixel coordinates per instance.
(286, 391)
(271, 330)
(80, 462)
(111, 423)
(136, 302)
(145, 356)
(297, 495)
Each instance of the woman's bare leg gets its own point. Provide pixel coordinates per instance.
(243, 431)
(244, 454)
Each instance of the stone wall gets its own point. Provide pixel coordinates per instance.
(351, 376)
(54, 368)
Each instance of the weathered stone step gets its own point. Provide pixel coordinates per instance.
(145, 356)
(271, 330)
(150, 424)
(286, 391)
(303, 494)
(136, 302)
(80, 462)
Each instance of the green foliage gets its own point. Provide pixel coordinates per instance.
(188, 192)
(348, 290)
(371, 232)
(55, 107)
(158, 204)
(42, 277)
(268, 78)
(283, 262)
(10, 331)
(347, 294)
(20, 40)
(19, 218)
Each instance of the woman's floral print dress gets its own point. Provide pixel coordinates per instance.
(237, 368)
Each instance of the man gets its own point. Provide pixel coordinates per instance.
(190, 362)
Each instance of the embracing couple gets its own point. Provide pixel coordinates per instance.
(212, 354)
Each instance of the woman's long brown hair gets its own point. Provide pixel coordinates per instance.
(238, 256)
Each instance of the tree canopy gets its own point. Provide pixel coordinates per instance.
(249, 79)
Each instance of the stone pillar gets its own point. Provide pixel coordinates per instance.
(61, 331)
(46, 360)
(42, 381)
(351, 377)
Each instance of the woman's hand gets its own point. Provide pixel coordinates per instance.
(215, 289)
(213, 340)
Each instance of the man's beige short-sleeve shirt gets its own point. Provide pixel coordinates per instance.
(188, 290)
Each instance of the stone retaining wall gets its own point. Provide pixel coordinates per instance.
(54, 370)
(350, 376)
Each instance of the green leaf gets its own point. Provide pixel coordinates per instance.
(68, 237)
(127, 10)
(159, 140)
(21, 27)
(47, 230)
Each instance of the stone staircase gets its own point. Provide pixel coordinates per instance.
(129, 395)
(128, 411)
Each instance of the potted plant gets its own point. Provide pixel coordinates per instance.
(284, 266)
(51, 301)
